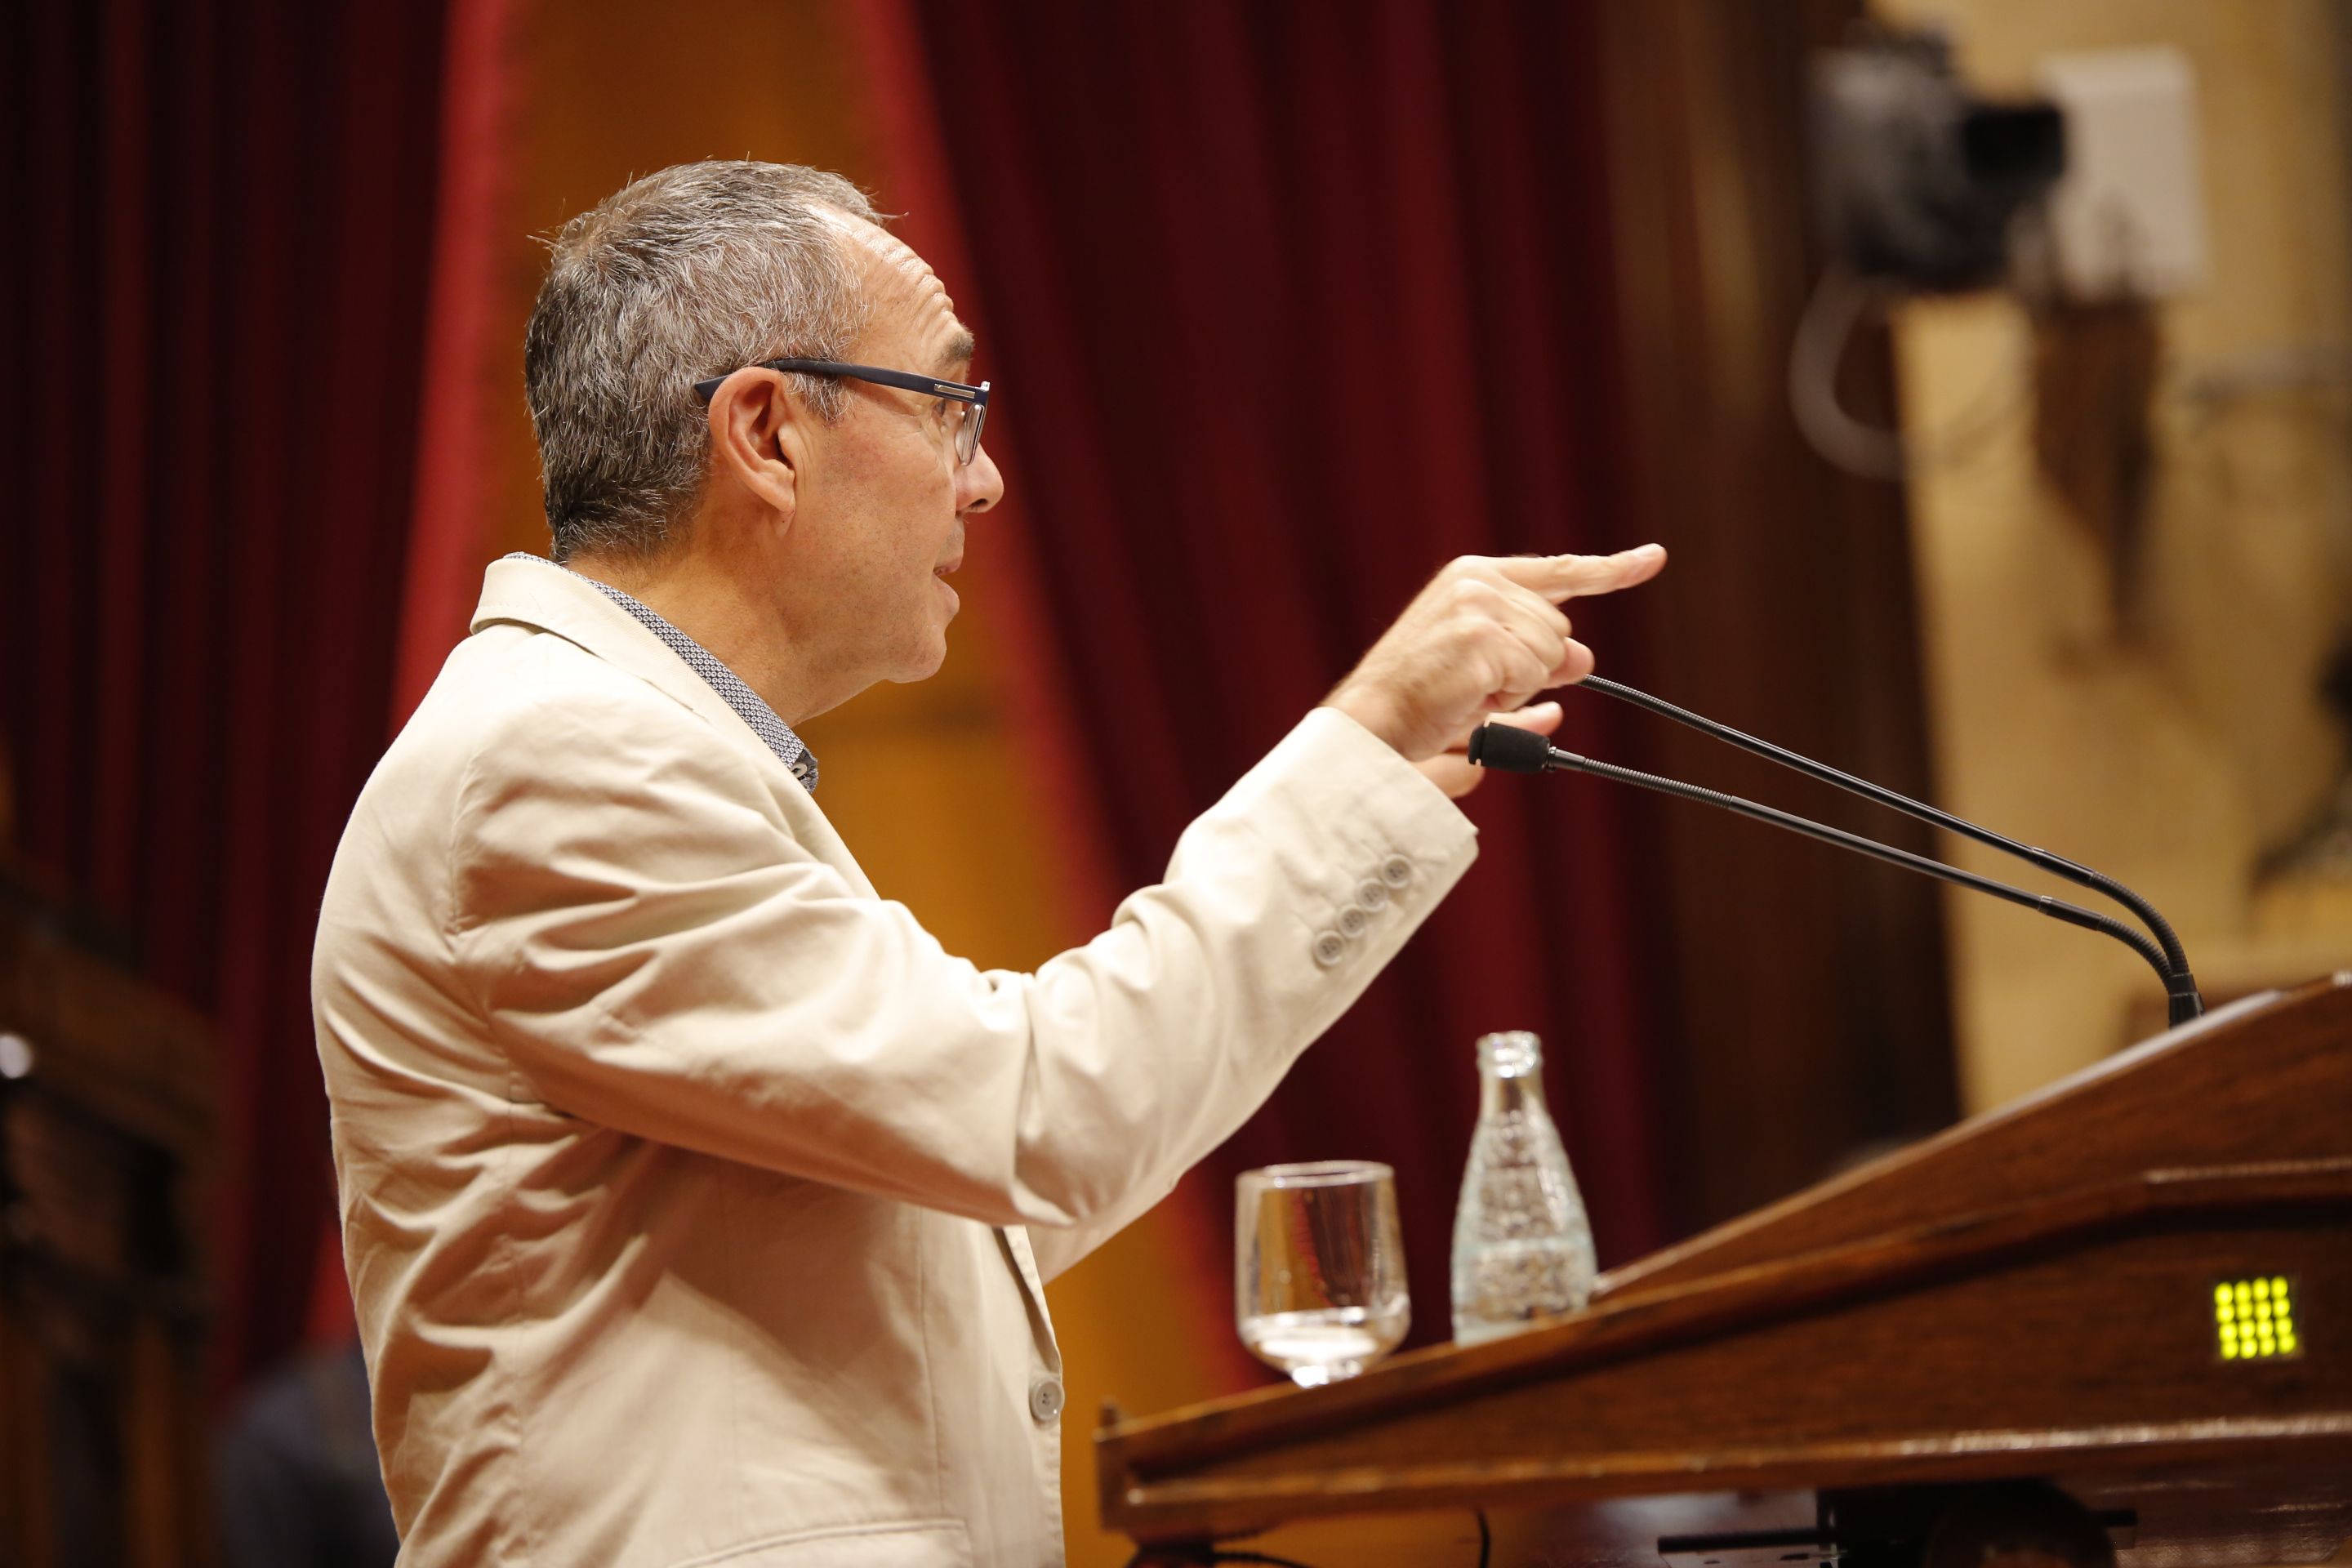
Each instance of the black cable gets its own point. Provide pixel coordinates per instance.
(1203, 1552)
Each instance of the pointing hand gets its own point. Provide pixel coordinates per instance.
(1486, 635)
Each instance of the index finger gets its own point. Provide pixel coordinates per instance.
(1563, 577)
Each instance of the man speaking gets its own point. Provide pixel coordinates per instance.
(697, 1205)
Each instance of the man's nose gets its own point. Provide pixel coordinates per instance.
(982, 486)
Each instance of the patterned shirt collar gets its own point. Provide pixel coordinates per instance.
(775, 731)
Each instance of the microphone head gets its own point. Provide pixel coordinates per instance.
(1508, 749)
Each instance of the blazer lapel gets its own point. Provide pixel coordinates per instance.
(541, 595)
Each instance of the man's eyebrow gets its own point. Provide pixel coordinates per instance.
(959, 352)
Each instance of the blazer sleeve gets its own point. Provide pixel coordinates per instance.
(655, 953)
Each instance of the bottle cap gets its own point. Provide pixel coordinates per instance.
(1516, 1053)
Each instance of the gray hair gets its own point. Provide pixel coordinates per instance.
(689, 273)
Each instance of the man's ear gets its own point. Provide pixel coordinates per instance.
(758, 439)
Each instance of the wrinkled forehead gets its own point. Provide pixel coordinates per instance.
(911, 309)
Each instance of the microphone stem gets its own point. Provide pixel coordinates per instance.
(2056, 908)
(2176, 959)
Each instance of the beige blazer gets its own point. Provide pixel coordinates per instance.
(689, 1187)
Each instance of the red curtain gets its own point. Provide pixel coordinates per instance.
(1287, 305)
(213, 290)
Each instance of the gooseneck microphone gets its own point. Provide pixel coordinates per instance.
(1506, 749)
(2175, 959)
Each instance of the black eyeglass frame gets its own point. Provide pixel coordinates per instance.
(967, 438)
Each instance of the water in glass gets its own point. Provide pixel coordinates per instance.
(1318, 1267)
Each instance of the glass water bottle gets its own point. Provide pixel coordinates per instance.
(1522, 1247)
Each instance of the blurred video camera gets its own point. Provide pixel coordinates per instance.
(1921, 180)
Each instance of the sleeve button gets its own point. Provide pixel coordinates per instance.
(1329, 948)
(1373, 895)
(1396, 871)
(1352, 922)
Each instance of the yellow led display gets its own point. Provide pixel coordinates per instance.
(2254, 1319)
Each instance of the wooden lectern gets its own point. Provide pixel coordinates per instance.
(2116, 1317)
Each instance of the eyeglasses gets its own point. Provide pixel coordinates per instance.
(970, 403)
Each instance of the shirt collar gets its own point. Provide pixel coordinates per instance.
(773, 731)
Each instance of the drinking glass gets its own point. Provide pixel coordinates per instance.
(1318, 1267)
